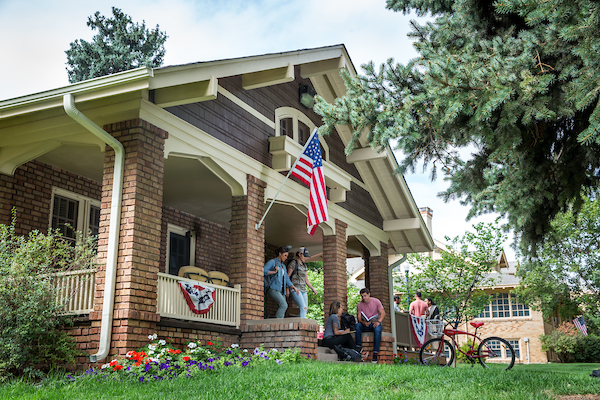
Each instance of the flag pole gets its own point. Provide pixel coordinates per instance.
(257, 226)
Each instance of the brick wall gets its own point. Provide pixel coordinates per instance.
(248, 249)
(334, 268)
(281, 334)
(29, 190)
(212, 240)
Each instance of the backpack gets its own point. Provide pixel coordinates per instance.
(595, 373)
(348, 321)
(346, 354)
(295, 266)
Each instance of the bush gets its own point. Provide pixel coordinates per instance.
(30, 319)
(466, 347)
(588, 349)
(564, 341)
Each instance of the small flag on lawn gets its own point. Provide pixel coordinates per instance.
(309, 169)
(580, 324)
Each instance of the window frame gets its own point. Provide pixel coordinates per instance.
(83, 209)
(179, 230)
(298, 116)
(514, 307)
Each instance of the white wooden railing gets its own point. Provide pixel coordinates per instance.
(171, 303)
(75, 289)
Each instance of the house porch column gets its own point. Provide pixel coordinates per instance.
(334, 268)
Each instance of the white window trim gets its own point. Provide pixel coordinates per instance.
(83, 211)
(297, 115)
(178, 230)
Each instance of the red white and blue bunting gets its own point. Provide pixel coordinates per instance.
(418, 327)
(200, 299)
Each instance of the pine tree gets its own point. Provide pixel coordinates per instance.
(119, 45)
(516, 81)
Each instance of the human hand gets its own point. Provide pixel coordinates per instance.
(276, 269)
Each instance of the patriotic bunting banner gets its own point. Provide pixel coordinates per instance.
(200, 299)
(419, 329)
(309, 169)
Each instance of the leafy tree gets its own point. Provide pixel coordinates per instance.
(517, 82)
(456, 281)
(119, 45)
(564, 277)
(31, 338)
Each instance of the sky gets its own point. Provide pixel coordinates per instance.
(36, 34)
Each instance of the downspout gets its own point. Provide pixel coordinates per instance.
(113, 228)
(392, 312)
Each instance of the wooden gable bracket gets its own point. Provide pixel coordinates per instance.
(268, 77)
(186, 93)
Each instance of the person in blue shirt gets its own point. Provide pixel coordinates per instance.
(277, 281)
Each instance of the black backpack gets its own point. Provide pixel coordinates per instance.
(346, 354)
(348, 321)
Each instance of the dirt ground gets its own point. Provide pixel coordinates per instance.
(579, 397)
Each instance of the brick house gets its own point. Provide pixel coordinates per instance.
(174, 166)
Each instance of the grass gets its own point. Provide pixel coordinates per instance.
(313, 381)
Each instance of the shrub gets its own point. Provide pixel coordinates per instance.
(588, 349)
(564, 341)
(30, 318)
(466, 347)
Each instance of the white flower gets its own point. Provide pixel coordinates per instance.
(193, 345)
(162, 342)
(129, 354)
(153, 337)
(104, 366)
(275, 350)
(163, 350)
(150, 337)
(245, 350)
(154, 360)
(235, 346)
(151, 347)
(150, 352)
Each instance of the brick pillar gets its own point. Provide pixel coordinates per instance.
(248, 249)
(334, 268)
(378, 279)
(135, 313)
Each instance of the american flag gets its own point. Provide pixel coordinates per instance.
(309, 169)
(580, 324)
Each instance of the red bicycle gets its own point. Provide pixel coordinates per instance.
(491, 352)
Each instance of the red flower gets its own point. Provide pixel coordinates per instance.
(210, 343)
(117, 367)
(186, 358)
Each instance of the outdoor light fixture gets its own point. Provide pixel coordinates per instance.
(306, 95)
(406, 269)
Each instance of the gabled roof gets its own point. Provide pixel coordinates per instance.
(33, 125)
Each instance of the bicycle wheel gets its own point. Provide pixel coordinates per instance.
(437, 351)
(496, 353)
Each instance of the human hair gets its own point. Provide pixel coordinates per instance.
(431, 300)
(334, 307)
(365, 290)
(281, 250)
(418, 294)
(396, 297)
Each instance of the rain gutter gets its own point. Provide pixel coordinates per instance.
(113, 228)
(392, 312)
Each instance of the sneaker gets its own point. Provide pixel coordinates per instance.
(374, 359)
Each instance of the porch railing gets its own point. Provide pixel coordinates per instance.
(75, 289)
(404, 337)
(171, 303)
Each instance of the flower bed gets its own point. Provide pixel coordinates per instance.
(158, 361)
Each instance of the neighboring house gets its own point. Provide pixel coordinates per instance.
(175, 166)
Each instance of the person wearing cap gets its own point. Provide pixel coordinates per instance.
(296, 270)
(277, 282)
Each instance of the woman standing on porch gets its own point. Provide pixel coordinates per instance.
(296, 270)
(277, 281)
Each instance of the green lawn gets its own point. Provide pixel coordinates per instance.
(315, 381)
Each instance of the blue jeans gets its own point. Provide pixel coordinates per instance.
(360, 328)
(301, 300)
(280, 300)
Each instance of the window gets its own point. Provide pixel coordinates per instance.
(516, 348)
(518, 309)
(71, 212)
(181, 245)
(294, 124)
(504, 305)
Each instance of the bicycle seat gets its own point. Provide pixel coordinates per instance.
(477, 324)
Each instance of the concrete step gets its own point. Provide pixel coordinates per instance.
(326, 354)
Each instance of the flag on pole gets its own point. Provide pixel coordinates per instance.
(309, 169)
(580, 324)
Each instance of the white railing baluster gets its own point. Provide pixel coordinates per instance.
(75, 290)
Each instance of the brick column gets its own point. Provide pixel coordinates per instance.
(378, 279)
(135, 313)
(248, 249)
(334, 268)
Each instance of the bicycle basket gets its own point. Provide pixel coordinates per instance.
(435, 327)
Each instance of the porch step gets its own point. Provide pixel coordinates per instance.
(325, 354)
